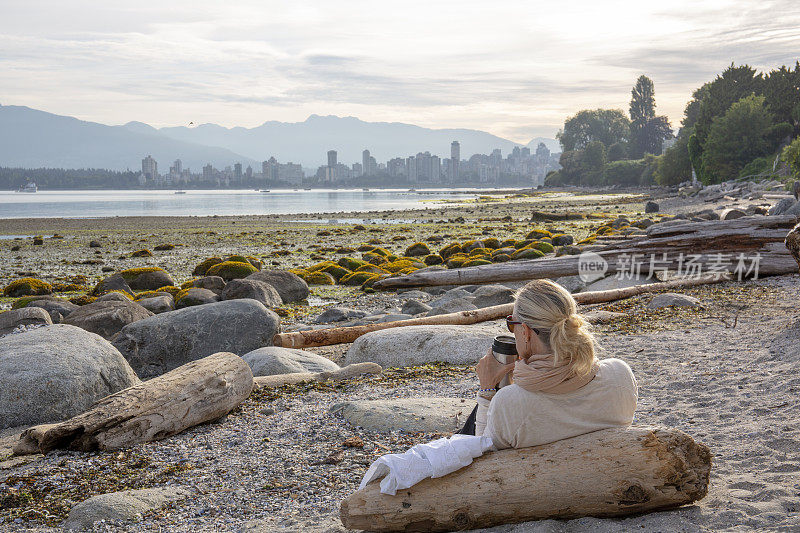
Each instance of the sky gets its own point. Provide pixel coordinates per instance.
(514, 69)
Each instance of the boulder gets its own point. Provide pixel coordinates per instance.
(57, 309)
(162, 342)
(194, 297)
(417, 250)
(95, 244)
(147, 278)
(251, 288)
(411, 415)
(158, 304)
(213, 283)
(290, 286)
(419, 345)
(452, 294)
(123, 506)
(490, 295)
(413, 293)
(415, 307)
(113, 296)
(453, 305)
(793, 210)
(651, 207)
(112, 283)
(782, 206)
(272, 360)
(27, 316)
(394, 317)
(56, 372)
(562, 240)
(673, 299)
(338, 314)
(572, 283)
(107, 318)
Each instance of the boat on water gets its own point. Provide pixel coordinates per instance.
(365, 189)
(29, 187)
(264, 190)
(180, 192)
(308, 189)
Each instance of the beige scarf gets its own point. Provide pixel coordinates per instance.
(538, 374)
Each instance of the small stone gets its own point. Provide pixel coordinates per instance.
(338, 314)
(673, 299)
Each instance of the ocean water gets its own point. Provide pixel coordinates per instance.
(96, 204)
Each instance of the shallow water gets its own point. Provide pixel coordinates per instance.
(95, 204)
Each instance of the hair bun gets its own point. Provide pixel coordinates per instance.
(573, 321)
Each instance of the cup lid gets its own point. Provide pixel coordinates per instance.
(505, 344)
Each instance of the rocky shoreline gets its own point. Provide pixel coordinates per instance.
(286, 457)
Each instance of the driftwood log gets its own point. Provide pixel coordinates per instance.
(194, 393)
(747, 235)
(613, 472)
(329, 336)
(347, 372)
(793, 243)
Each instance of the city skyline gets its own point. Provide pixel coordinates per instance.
(515, 70)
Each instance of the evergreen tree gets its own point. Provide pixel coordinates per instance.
(648, 131)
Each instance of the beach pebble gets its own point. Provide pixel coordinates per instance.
(272, 360)
(107, 317)
(673, 299)
(11, 320)
(338, 314)
(418, 345)
(163, 342)
(290, 286)
(158, 304)
(195, 297)
(123, 506)
(53, 373)
(412, 415)
(415, 307)
(251, 288)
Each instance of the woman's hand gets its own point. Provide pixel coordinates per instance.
(490, 372)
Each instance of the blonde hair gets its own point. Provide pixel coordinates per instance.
(549, 308)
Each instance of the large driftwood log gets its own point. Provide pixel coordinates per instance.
(194, 393)
(347, 372)
(329, 336)
(746, 235)
(613, 472)
(793, 243)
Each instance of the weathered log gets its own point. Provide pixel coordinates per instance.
(793, 243)
(668, 244)
(194, 393)
(347, 372)
(329, 336)
(613, 472)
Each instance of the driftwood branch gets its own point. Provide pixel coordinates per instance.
(347, 372)
(194, 393)
(746, 235)
(793, 244)
(329, 336)
(613, 472)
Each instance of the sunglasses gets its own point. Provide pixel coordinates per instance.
(511, 323)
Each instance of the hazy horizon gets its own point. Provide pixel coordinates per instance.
(513, 70)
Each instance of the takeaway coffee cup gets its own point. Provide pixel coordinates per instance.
(504, 350)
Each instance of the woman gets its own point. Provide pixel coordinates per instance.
(559, 389)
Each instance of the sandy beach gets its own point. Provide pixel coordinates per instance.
(724, 372)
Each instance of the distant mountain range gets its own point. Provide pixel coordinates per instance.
(31, 138)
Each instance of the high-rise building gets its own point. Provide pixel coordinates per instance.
(178, 166)
(331, 158)
(150, 168)
(208, 172)
(358, 170)
(237, 172)
(365, 162)
(249, 172)
(455, 158)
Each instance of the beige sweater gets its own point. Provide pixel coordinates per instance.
(517, 418)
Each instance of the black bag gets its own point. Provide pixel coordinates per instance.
(469, 425)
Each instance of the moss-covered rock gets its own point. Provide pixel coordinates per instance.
(146, 278)
(567, 250)
(83, 299)
(169, 289)
(588, 240)
(202, 268)
(38, 240)
(150, 294)
(350, 264)
(188, 284)
(450, 250)
(338, 272)
(365, 248)
(508, 242)
(456, 260)
(373, 258)
(229, 270)
(401, 264)
(491, 242)
(373, 269)
(418, 249)
(527, 253)
(542, 246)
(538, 234)
(369, 282)
(480, 252)
(476, 262)
(501, 258)
(68, 287)
(562, 240)
(471, 245)
(25, 300)
(504, 251)
(356, 278)
(142, 253)
(164, 247)
(319, 278)
(409, 270)
(519, 245)
(27, 287)
(433, 259)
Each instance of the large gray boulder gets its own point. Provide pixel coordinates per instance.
(419, 345)
(490, 295)
(158, 304)
(107, 318)
(272, 360)
(412, 415)
(163, 342)
(112, 283)
(195, 297)
(150, 280)
(415, 307)
(58, 309)
(56, 372)
(27, 316)
(213, 283)
(251, 288)
(123, 506)
(782, 206)
(291, 287)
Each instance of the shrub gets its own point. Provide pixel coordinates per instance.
(623, 172)
(27, 287)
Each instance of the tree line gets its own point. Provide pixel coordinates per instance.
(738, 125)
